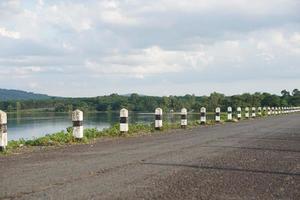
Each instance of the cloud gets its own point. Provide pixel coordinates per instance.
(195, 43)
(149, 61)
(10, 34)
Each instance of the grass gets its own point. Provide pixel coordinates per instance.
(66, 137)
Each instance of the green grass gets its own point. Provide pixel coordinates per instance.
(66, 137)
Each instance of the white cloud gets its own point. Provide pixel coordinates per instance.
(150, 61)
(33, 85)
(23, 71)
(160, 39)
(10, 34)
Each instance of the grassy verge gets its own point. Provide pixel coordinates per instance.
(66, 137)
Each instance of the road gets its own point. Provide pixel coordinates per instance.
(251, 159)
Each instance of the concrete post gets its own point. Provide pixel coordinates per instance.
(239, 113)
(269, 111)
(203, 115)
(253, 113)
(247, 113)
(123, 120)
(259, 111)
(77, 118)
(285, 110)
(183, 122)
(280, 110)
(264, 110)
(218, 114)
(158, 118)
(229, 113)
(3, 130)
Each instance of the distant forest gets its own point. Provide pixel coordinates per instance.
(135, 102)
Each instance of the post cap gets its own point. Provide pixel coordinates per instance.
(123, 112)
(183, 111)
(158, 111)
(77, 115)
(3, 117)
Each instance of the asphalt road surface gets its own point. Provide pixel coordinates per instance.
(253, 159)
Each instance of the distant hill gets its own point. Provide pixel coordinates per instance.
(6, 95)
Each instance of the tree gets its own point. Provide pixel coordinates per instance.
(285, 93)
(296, 92)
(18, 106)
(215, 100)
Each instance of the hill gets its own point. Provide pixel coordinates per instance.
(6, 95)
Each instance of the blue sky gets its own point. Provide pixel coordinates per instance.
(160, 47)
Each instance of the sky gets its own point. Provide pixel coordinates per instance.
(159, 47)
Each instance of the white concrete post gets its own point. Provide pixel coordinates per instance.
(253, 113)
(77, 119)
(272, 111)
(3, 130)
(276, 111)
(269, 111)
(259, 111)
(158, 118)
(203, 115)
(247, 113)
(183, 122)
(285, 110)
(218, 114)
(264, 110)
(239, 113)
(280, 110)
(123, 120)
(229, 113)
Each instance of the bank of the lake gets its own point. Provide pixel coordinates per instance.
(30, 125)
(63, 138)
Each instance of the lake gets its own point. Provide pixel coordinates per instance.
(31, 125)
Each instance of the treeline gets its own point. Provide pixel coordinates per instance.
(135, 102)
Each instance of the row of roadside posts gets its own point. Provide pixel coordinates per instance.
(77, 119)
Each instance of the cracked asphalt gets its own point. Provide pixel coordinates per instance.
(251, 159)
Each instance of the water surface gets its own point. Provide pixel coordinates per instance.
(32, 125)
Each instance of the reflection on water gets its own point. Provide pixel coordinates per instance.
(30, 125)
